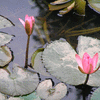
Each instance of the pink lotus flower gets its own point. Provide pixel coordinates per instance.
(28, 24)
(87, 64)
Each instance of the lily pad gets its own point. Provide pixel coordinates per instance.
(37, 64)
(96, 94)
(14, 98)
(68, 5)
(47, 92)
(5, 56)
(59, 60)
(95, 5)
(5, 38)
(4, 97)
(32, 96)
(17, 82)
(34, 55)
(5, 22)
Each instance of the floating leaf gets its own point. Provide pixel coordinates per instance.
(14, 98)
(4, 38)
(34, 55)
(96, 94)
(2, 96)
(47, 92)
(32, 96)
(95, 5)
(59, 2)
(80, 7)
(5, 56)
(59, 60)
(19, 81)
(5, 22)
(37, 64)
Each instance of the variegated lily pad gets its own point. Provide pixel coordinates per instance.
(19, 81)
(5, 38)
(5, 22)
(59, 60)
(47, 92)
(5, 56)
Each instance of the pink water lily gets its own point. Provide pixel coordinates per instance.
(87, 64)
(28, 24)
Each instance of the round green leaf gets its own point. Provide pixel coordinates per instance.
(5, 56)
(59, 60)
(19, 81)
(5, 38)
(5, 22)
(95, 5)
(96, 94)
(32, 96)
(47, 92)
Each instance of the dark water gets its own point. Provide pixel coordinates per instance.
(57, 27)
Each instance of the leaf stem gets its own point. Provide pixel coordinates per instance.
(27, 48)
(87, 78)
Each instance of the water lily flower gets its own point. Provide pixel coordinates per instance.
(87, 64)
(28, 24)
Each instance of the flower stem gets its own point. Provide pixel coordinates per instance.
(27, 47)
(87, 78)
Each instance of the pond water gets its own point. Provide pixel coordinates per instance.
(58, 27)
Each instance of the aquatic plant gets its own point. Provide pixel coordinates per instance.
(28, 25)
(77, 5)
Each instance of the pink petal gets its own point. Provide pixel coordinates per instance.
(79, 60)
(86, 61)
(33, 19)
(22, 22)
(26, 17)
(95, 60)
